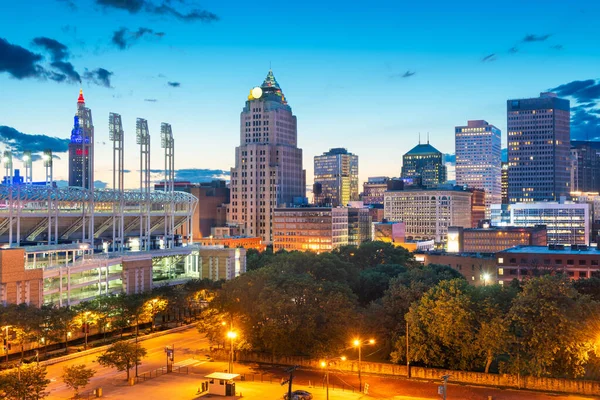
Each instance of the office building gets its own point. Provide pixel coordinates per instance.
(81, 147)
(317, 229)
(504, 183)
(211, 198)
(268, 163)
(479, 160)
(489, 239)
(336, 171)
(478, 206)
(578, 261)
(359, 223)
(427, 213)
(389, 232)
(585, 171)
(538, 148)
(425, 163)
(373, 190)
(566, 222)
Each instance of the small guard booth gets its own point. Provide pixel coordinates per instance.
(221, 383)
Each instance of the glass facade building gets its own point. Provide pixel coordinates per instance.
(336, 171)
(424, 163)
(538, 148)
(479, 160)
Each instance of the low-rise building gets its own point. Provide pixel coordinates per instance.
(374, 189)
(318, 229)
(489, 239)
(68, 274)
(577, 261)
(389, 232)
(566, 222)
(478, 269)
(427, 213)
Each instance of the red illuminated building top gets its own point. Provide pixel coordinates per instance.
(80, 99)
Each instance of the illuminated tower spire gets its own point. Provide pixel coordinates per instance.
(81, 100)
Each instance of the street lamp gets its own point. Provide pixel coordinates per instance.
(6, 340)
(359, 343)
(486, 278)
(231, 335)
(325, 364)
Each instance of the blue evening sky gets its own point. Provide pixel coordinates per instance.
(365, 75)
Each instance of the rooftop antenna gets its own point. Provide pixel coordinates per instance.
(427, 137)
(419, 137)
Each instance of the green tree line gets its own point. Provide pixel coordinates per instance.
(315, 304)
(105, 315)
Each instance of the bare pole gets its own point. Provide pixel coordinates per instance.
(27, 163)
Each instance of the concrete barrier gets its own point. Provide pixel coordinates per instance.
(557, 385)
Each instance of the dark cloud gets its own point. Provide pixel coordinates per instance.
(489, 58)
(585, 124)
(163, 8)
(585, 115)
(587, 91)
(174, 84)
(100, 185)
(536, 38)
(57, 50)
(123, 38)
(557, 47)
(19, 141)
(151, 100)
(192, 16)
(133, 6)
(67, 69)
(19, 62)
(99, 76)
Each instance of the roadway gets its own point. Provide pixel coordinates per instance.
(190, 352)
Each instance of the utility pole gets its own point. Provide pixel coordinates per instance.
(289, 381)
(407, 357)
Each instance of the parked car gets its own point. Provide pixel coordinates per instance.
(299, 395)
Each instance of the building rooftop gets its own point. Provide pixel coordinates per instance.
(423, 149)
(554, 249)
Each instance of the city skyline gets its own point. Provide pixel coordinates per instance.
(190, 69)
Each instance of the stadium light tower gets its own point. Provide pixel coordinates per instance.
(143, 139)
(167, 143)
(27, 163)
(116, 134)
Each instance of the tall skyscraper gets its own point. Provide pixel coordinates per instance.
(538, 148)
(337, 173)
(586, 171)
(81, 147)
(425, 163)
(479, 159)
(504, 183)
(268, 163)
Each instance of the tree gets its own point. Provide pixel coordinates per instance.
(152, 307)
(123, 356)
(551, 326)
(84, 319)
(62, 324)
(24, 383)
(442, 327)
(77, 376)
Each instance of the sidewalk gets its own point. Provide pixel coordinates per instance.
(185, 387)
